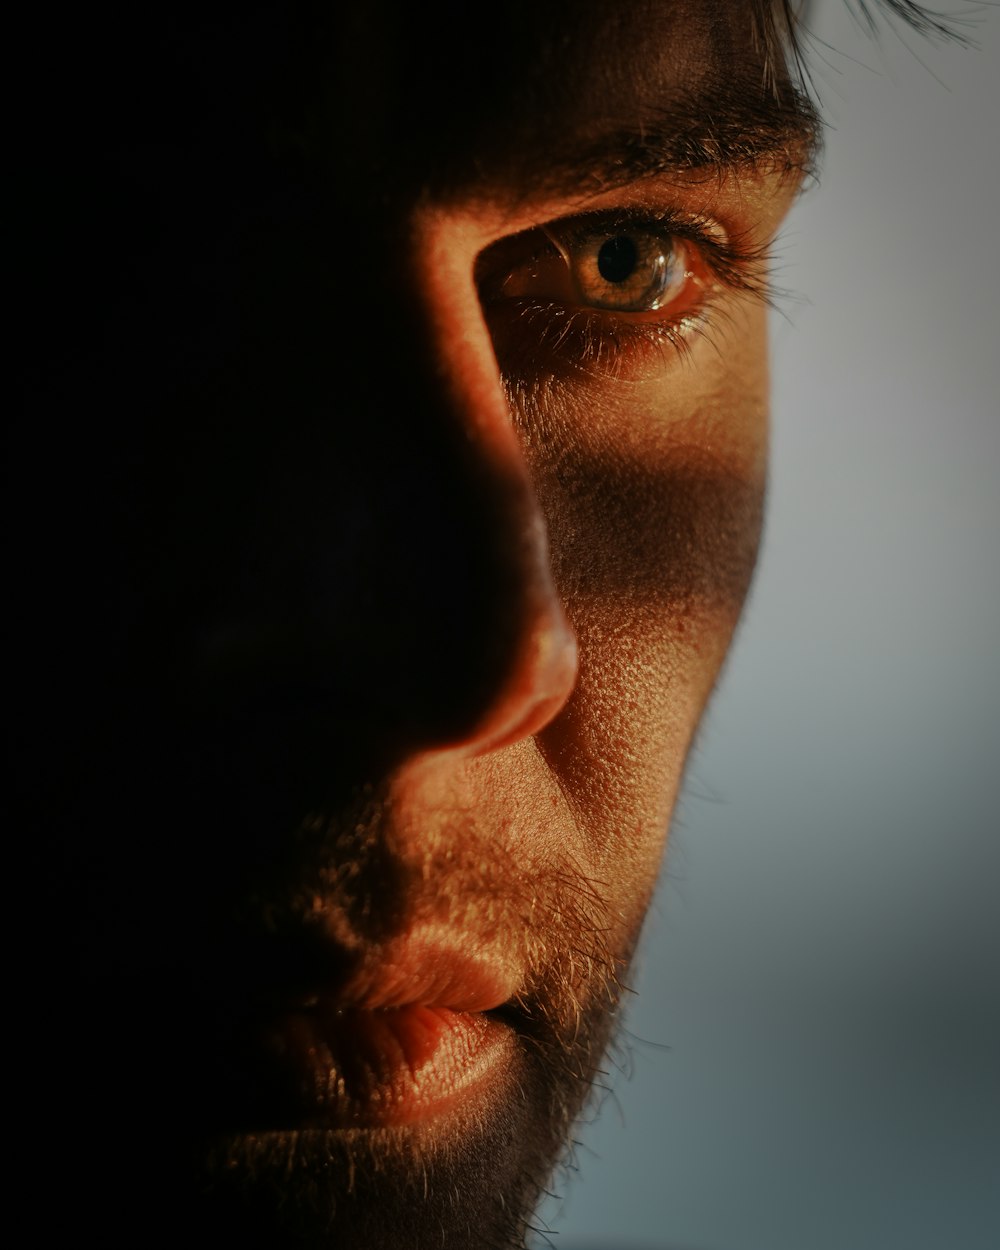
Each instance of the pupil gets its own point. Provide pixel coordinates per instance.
(616, 259)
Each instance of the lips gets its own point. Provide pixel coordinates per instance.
(365, 1069)
(414, 1036)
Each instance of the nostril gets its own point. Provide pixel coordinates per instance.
(541, 682)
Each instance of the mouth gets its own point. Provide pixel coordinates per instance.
(418, 1035)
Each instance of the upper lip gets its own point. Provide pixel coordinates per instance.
(305, 969)
(427, 971)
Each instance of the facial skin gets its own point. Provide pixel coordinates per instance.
(386, 576)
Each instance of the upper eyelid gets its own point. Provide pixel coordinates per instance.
(667, 220)
(727, 196)
(699, 230)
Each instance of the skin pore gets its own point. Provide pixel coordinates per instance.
(403, 548)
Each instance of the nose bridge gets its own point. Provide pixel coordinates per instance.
(492, 618)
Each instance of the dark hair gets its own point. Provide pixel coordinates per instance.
(781, 28)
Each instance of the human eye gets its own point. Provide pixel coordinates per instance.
(601, 289)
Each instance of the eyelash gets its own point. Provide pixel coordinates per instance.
(540, 334)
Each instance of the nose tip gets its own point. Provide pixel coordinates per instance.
(541, 674)
(537, 697)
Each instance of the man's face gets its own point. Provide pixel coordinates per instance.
(423, 497)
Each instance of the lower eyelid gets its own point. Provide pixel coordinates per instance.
(535, 340)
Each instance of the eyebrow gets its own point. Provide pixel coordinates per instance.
(727, 132)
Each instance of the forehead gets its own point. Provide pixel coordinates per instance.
(445, 98)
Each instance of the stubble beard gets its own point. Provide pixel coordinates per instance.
(474, 1178)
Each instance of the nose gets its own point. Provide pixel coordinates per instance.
(486, 619)
(394, 592)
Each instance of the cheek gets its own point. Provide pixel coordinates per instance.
(653, 493)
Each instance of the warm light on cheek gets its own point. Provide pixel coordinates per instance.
(651, 405)
(620, 747)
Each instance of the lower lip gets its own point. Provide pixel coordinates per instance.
(370, 1069)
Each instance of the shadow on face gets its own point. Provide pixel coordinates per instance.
(357, 629)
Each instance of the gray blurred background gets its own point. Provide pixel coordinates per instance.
(813, 1058)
